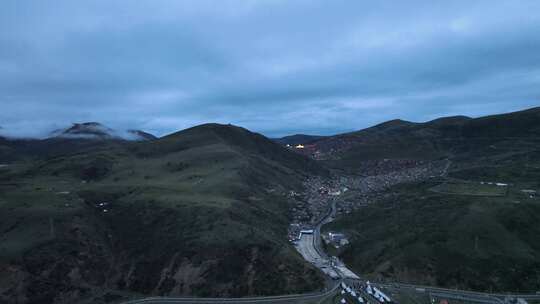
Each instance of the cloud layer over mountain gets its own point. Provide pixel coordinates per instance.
(277, 67)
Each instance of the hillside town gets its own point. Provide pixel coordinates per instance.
(353, 192)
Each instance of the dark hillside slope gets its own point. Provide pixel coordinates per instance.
(252, 144)
(458, 240)
(298, 139)
(441, 138)
(32, 149)
(474, 227)
(516, 125)
(450, 120)
(200, 212)
(5, 149)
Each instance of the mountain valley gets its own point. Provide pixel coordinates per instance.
(207, 211)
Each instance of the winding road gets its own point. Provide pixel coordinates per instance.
(298, 298)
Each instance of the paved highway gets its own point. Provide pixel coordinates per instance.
(338, 267)
(298, 298)
(310, 247)
(471, 294)
(307, 250)
(306, 247)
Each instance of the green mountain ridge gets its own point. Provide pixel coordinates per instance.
(437, 139)
(460, 230)
(200, 212)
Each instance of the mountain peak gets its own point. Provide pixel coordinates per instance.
(95, 130)
(88, 130)
(458, 119)
(394, 123)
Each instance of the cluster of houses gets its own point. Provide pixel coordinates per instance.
(372, 291)
(309, 207)
(335, 239)
(296, 230)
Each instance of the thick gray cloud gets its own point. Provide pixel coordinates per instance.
(276, 67)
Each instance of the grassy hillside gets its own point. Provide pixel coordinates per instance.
(200, 212)
(459, 232)
(447, 137)
(32, 149)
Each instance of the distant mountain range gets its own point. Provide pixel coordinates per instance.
(445, 126)
(521, 123)
(439, 138)
(76, 138)
(91, 130)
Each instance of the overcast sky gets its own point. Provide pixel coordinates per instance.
(275, 67)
